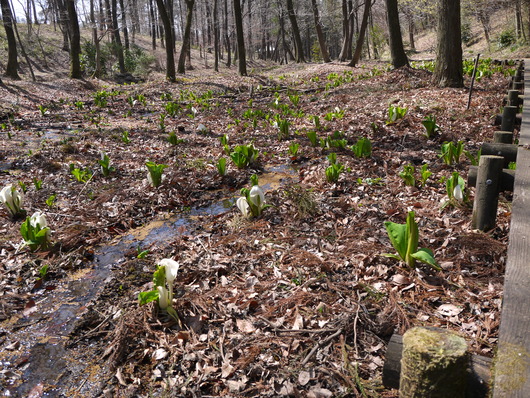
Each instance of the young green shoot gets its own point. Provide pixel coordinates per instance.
(363, 148)
(293, 149)
(404, 238)
(451, 152)
(425, 174)
(313, 138)
(35, 232)
(154, 175)
(81, 175)
(51, 200)
(430, 126)
(105, 166)
(395, 113)
(334, 170)
(221, 167)
(37, 183)
(407, 174)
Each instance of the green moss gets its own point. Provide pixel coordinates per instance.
(511, 367)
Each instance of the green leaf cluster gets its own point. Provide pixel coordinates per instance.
(404, 238)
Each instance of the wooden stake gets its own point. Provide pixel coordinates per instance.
(472, 81)
(503, 137)
(513, 98)
(508, 118)
(478, 377)
(507, 151)
(487, 192)
(434, 364)
(506, 180)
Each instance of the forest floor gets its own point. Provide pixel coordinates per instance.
(296, 302)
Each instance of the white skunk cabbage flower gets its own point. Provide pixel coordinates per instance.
(458, 194)
(201, 128)
(243, 207)
(163, 301)
(12, 199)
(257, 197)
(38, 219)
(172, 269)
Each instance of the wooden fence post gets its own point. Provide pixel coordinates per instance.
(434, 364)
(503, 137)
(508, 118)
(487, 193)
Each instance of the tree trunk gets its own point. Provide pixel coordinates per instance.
(448, 71)
(187, 37)
(362, 32)
(299, 49)
(117, 36)
(75, 41)
(170, 58)
(399, 58)
(216, 35)
(12, 53)
(240, 35)
(124, 25)
(152, 22)
(320, 34)
(227, 36)
(95, 39)
(411, 32)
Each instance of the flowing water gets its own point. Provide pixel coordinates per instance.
(39, 363)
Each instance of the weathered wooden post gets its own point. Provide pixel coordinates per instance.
(513, 98)
(434, 364)
(487, 192)
(503, 137)
(478, 375)
(507, 151)
(508, 118)
(506, 179)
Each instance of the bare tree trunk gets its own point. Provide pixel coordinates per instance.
(170, 59)
(152, 22)
(124, 25)
(241, 54)
(216, 35)
(399, 58)
(12, 53)
(117, 36)
(187, 37)
(299, 50)
(448, 71)
(320, 34)
(227, 36)
(95, 39)
(362, 32)
(75, 41)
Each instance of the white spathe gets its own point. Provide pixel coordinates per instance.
(163, 301)
(256, 196)
(243, 206)
(458, 193)
(12, 199)
(171, 267)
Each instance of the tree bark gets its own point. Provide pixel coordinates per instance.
(298, 47)
(227, 36)
(75, 41)
(448, 71)
(124, 25)
(117, 37)
(12, 53)
(320, 34)
(399, 58)
(187, 37)
(170, 58)
(240, 35)
(362, 32)
(216, 35)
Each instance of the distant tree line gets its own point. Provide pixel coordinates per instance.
(236, 31)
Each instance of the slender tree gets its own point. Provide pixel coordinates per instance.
(320, 34)
(397, 52)
(12, 53)
(117, 36)
(298, 47)
(186, 45)
(75, 41)
(448, 70)
(216, 35)
(170, 58)
(362, 32)
(241, 54)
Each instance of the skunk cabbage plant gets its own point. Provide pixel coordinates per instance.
(35, 231)
(13, 200)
